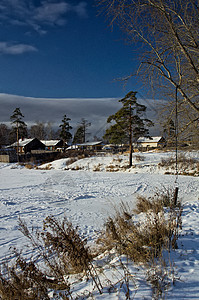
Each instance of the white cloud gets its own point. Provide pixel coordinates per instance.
(51, 12)
(46, 13)
(80, 9)
(15, 49)
(95, 110)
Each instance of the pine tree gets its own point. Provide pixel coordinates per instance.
(129, 122)
(65, 134)
(19, 127)
(80, 135)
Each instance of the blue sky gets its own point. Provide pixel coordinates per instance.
(61, 49)
(60, 57)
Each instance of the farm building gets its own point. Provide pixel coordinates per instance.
(27, 145)
(87, 146)
(8, 155)
(151, 143)
(53, 145)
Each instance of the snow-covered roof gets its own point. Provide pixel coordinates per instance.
(154, 139)
(49, 143)
(90, 143)
(22, 143)
(72, 147)
(84, 144)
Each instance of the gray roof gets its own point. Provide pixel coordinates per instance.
(90, 143)
(22, 143)
(154, 139)
(49, 143)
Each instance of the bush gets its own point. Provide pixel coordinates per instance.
(144, 237)
(63, 251)
(23, 281)
(184, 164)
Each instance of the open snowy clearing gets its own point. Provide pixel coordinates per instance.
(87, 198)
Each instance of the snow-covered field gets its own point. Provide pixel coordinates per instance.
(87, 198)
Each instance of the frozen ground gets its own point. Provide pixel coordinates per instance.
(87, 198)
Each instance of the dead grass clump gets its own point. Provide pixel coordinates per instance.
(161, 199)
(97, 168)
(117, 159)
(184, 163)
(143, 237)
(48, 167)
(144, 204)
(23, 281)
(63, 252)
(76, 168)
(71, 160)
(139, 157)
(160, 275)
(112, 168)
(29, 166)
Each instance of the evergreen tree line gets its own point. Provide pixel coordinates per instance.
(41, 130)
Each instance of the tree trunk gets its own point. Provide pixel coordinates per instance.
(130, 136)
(130, 154)
(17, 142)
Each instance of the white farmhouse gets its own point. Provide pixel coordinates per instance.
(151, 143)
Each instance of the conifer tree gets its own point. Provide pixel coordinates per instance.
(18, 125)
(65, 134)
(129, 122)
(80, 135)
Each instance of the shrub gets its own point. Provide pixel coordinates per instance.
(161, 199)
(24, 281)
(184, 163)
(97, 168)
(112, 168)
(63, 251)
(29, 166)
(145, 236)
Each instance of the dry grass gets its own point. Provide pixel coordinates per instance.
(24, 281)
(143, 235)
(71, 161)
(77, 168)
(62, 250)
(186, 165)
(161, 199)
(29, 166)
(143, 239)
(97, 168)
(47, 167)
(112, 168)
(60, 245)
(160, 275)
(139, 157)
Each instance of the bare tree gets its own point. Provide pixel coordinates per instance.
(81, 132)
(4, 135)
(38, 130)
(169, 33)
